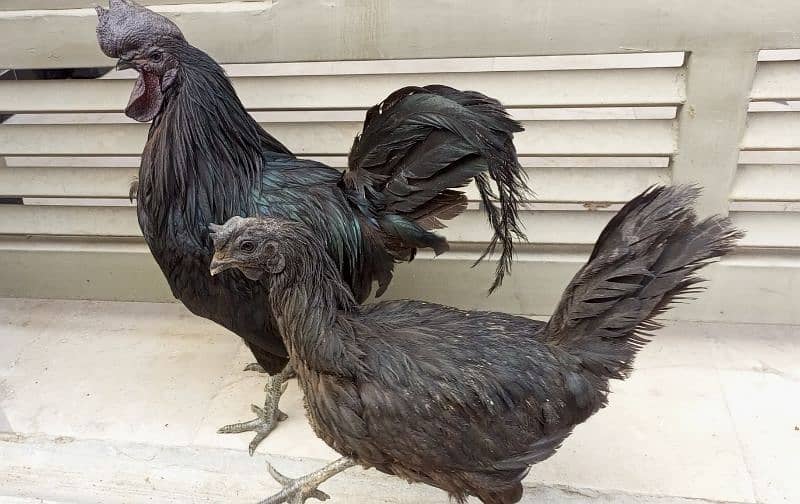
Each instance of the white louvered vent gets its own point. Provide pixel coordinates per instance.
(599, 129)
(765, 197)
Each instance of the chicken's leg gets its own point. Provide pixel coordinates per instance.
(298, 490)
(267, 418)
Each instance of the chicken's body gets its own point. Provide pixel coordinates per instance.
(450, 401)
(464, 400)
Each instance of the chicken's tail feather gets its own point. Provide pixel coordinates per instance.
(417, 148)
(644, 261)
(502, 184)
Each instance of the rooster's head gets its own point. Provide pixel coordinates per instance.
(146, 42)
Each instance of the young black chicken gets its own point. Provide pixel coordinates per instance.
(206, 160)
(464, 400)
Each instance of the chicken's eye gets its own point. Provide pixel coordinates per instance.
(155, 57)
(248, 246)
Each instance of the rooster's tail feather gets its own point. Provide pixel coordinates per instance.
(421, 144)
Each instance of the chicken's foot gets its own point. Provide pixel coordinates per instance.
(267, 418)
(255, 366)
(298, 490)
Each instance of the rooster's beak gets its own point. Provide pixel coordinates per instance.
(220, 263)
(124, 64)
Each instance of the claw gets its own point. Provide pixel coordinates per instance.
(285, 481)
(295, 491)
(262, 425)
(255, 366)
(267, 418)
(277, 476)
(299, 490)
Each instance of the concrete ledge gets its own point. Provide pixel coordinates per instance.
(752, 286)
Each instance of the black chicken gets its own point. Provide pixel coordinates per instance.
(206, 160)
(463, 400)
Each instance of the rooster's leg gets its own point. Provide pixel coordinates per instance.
(296, 491)
(267, 418)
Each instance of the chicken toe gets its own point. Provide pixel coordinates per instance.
(298, 490)
(255, 366)
(267, 418)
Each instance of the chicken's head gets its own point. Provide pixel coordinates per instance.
(254, 246)
(147, 42)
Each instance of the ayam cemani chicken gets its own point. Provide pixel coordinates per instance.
(206, 160)
(467, 401)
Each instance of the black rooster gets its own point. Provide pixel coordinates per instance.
(206, 160)
(462, 400)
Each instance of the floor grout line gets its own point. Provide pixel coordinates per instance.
(742, 451)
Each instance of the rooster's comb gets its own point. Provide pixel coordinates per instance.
(126, 25)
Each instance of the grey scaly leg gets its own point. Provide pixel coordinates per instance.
(298, 490)
(267, 418)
